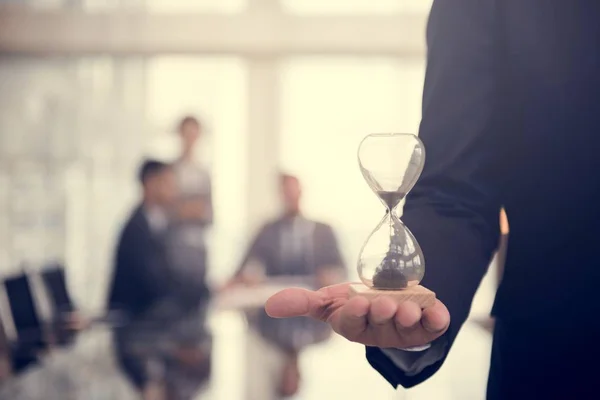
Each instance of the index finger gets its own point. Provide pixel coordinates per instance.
(296, 302)
(293, 302)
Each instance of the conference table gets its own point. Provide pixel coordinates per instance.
(86, 370)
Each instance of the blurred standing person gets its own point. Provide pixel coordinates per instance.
(141, 274)
(191, 217)
(291, 246)
(193, 211)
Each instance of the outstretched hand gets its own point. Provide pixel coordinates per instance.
(380, 322)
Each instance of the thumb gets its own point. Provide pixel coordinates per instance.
(293, 302)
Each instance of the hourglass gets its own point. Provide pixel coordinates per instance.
(391, 263)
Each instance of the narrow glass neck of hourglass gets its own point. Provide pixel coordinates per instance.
(390, 199)
(392, 211)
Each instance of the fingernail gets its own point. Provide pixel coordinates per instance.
(431, 329)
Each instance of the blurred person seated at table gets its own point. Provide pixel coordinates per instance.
(301, 250)
(163, 348)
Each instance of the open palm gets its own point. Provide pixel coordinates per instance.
(380, 322)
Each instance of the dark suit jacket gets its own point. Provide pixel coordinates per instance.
(511, 117)
(141, 273)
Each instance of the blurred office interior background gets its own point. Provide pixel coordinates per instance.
(90, 87)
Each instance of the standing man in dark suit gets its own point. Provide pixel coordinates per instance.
(161, 348)
(141, 274)
(511, 118)
(141, 269)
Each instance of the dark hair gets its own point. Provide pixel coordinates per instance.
(188, 119)
(151, 168)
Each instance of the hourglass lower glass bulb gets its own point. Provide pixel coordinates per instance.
(391, 258)
(391, 262)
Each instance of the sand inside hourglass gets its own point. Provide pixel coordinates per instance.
(389, 274)
(390, 199)
(388, 284)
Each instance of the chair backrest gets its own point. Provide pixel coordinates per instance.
(56, 287)
(55, 283)
(28, 324)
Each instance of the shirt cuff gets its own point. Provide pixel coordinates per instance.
(417, 348)
(414, 360)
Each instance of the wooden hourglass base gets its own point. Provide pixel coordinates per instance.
(417, 294)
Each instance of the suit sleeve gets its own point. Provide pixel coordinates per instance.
(148, 266)
(453, 209)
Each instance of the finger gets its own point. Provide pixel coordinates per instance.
(351, 321)
(336, 291)
(382, 310)
(293, 302)
(408, 315)
(436, 318)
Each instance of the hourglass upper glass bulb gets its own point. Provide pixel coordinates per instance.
(391, 163)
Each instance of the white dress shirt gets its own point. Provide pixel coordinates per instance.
(157, 219)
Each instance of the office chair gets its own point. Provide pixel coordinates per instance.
(56, 286)
(61, 303)
(63, 307)
(31, 333)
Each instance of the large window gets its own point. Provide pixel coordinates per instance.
(328, 106)
(35, 145)
(73, 132)
(214, 89)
